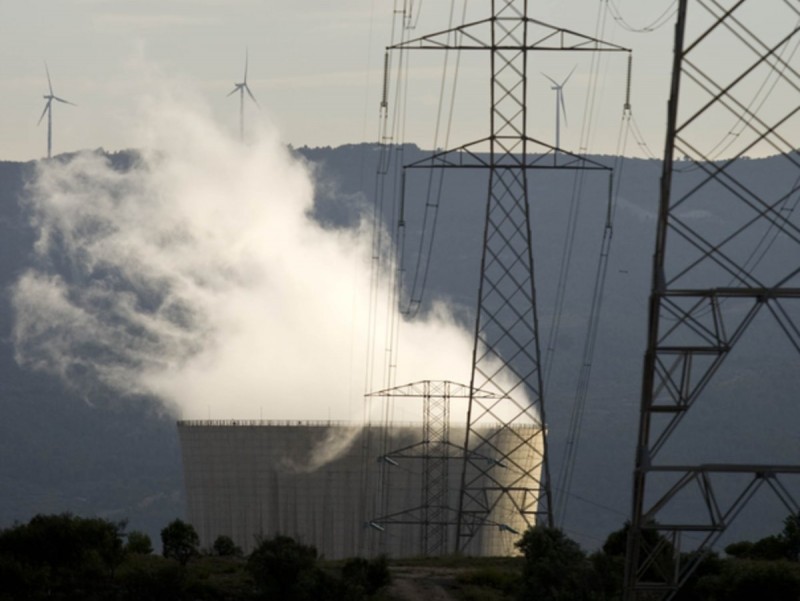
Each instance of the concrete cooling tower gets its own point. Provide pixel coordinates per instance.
(342, 488)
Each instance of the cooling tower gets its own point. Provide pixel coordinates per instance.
(326, 484)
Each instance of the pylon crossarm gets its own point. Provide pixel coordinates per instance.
(478, 35)
(473, 155)
(418, 451)
(414, 516)
(764, 293)
(432, 388)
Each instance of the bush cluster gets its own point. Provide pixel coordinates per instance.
(65, 557)
(556, 569)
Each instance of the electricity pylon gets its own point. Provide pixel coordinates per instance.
(717, 280)
(435, 515)
(508, 425)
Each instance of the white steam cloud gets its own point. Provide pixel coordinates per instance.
(198, 276)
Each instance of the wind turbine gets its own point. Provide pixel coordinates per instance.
(242, 88)
(560, 106)
(48, 109)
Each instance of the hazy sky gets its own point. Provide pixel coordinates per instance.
(315, 67)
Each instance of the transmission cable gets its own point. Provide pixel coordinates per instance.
(565, 261)
(564, 481)
(573, 212)
(659, 22)
(390, 131)
(432, 200)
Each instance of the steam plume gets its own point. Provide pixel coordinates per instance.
(198, 276)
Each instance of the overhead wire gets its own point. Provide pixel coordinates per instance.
(390, 131)
(389, 208)
(565, 264)
(391, 336)
(569, 239)
(659, 22)
(663, 18)
(567, 466)
(435, 179)
(564, 482)
(638, 136)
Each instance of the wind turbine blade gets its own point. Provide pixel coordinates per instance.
(246, 56)
(64, 101)
(49, 83)
(249, 93)
(44, 112)
(555, 83)
(563, 106)
(566, 79)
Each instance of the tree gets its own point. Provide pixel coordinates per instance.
(286, 569)
(747, 579)
(785, 545)
(365, 577)
(60, 555)
(555, 569)
(139, 542)
(225, 547)
(180, 541)
(791, 536)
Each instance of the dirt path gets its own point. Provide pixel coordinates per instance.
(422, 584)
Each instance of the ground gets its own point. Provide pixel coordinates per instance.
(417, 583)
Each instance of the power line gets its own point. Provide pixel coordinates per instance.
(659, 22)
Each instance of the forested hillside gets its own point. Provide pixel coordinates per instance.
(64, 450)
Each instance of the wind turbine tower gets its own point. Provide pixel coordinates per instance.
(560, 106)
(242, 87)
(48, 110)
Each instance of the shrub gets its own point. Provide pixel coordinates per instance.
(225, 547)
(180, 541)
(555, 568)
(367, 577)
(59, 555)
(139, 542)
(285, 569)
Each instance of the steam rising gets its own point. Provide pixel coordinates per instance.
(198, 276)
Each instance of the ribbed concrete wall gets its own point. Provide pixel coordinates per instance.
(245, 479)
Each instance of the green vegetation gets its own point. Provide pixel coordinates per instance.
(225, 547)
(64, 557)
(179, 541)
(139, 542)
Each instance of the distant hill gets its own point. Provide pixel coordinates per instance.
(61, 452)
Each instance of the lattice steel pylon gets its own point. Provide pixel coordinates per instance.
(435, 515)
(506, 357)
(732, 268)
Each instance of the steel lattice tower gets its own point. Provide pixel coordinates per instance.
(506, 357)
(434, 514)
(731, 269)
